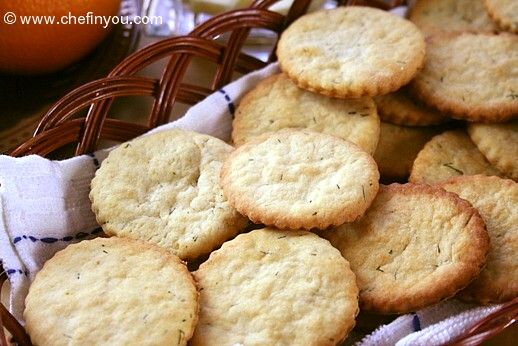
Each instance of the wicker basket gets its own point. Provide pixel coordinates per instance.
(66, 124)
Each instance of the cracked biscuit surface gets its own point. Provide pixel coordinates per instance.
(112, 291)
(415, 246)
(163, 188)
(276, 103)
(351, 51)
(448, 155)
(496, 199)
(300, 179)
(273, 287)
(460, 71)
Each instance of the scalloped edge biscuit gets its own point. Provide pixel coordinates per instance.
(316, 52)
(499, 144)
(459, 76)
(275, 287)
(432, 269)
(300, 179)
(449, 154)
(496, 199)
(163, 188)
(277, 103)
(454, 15)
(101, 291)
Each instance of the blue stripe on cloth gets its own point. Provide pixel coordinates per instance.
(231, 107)
(416, 323)
(16, 271)
(50, 240)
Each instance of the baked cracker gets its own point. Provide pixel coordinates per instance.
(448, 155)
(351, 52)
(415, 246)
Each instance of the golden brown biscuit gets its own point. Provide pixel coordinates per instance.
(448, 155)
(415, 246)
(351, 51)
(300, 179)
(435, 16)
(276, 103)
(499, 144)
(496, 199)
(112, 291)
(272, 287)
(460, 71)
(163, 188)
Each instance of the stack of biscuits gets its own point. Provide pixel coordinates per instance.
(294, 232)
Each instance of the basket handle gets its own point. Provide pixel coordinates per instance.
(239, 20)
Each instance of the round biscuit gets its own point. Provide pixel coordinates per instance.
(415, 246)
(300, 179)
(397, 149)
(460, 71)
(273, 287)
(435, 16)
(496, 200)
(112, 291)
(351, 52)
(276, 103)
(448, 155)
(499, 144)
(401, 108)
(163, 188)
(504, 13)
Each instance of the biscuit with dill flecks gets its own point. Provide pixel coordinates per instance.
(401, 108)
(112, 291)
(300, 179)
(448, 155)
(415, 246)
(471, 76)
(504, 13)
(163, 188)
(435, 16)
(277, 103)
(496, 200)
(273, 287)
(351, 52)
(499, 144)
(397, 149)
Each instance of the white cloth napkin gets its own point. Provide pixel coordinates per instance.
(44, 206)
(432, 326)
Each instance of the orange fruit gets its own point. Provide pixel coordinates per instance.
(44, 48)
